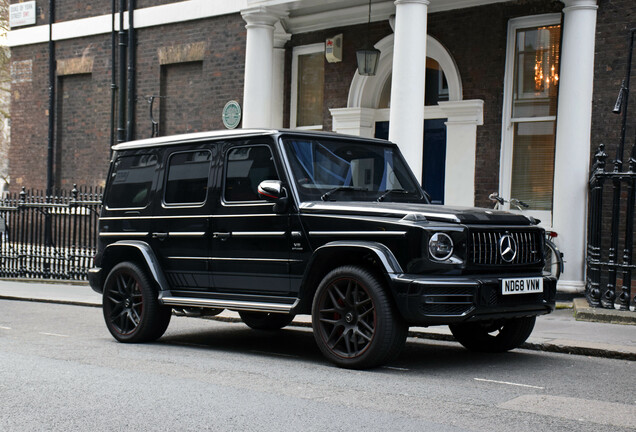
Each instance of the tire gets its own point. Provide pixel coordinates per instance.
(553, 259)
(265, 320)
(131, 309)
(354, 322)
(494, 336)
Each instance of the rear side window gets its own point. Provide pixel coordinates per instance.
(187, 181)
(131, 181)
(245, 168)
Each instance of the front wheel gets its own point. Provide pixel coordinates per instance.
(494, 336)
(354, 322)
(131, 309)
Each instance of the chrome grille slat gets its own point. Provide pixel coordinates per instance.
(485, 246)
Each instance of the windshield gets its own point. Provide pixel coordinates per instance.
(339, 170)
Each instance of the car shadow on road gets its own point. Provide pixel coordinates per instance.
(293, 342)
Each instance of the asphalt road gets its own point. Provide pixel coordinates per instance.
(60, 370)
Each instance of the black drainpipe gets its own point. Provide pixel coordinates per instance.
(132, 94)
(51, 143)
(50, 182)
(113, 72)
(121, 112)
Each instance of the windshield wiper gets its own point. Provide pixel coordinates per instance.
(327, 194)
(393, 191)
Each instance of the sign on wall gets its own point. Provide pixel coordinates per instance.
(21, 14)
(231, 114)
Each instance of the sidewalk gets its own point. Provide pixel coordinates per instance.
(556, 332)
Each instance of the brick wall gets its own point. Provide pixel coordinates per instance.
(615, 18)
(29, 117)
(83, 128)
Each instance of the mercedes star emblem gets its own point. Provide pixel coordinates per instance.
(507, 248)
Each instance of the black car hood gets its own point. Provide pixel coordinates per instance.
(438, 213)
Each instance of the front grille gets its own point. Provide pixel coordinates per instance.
(484, 247)
(445, 309)
(447, 300)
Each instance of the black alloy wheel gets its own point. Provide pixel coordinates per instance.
(354, 323)
(265, 320)
(494, 336)
(131, 309)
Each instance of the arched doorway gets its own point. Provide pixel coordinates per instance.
(450, 122)
(434, 142)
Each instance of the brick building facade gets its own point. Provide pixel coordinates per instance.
(199, 54)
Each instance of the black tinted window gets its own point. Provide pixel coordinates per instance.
(131, 181)
(327, 168)
(187, 181)
(245, 168)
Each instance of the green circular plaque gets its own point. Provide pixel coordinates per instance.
(231, 114)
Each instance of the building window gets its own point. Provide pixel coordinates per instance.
(532, 78)
(182, 88)
(308, 83)
(436, 89)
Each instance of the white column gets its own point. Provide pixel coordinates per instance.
(572, 153)
(407, 84)
(353, 121)
(278, 83)
(463, 117)
(259, 66)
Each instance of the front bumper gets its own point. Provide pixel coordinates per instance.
(447, 300)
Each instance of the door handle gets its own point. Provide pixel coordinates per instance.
(221, 235)
(160, 236)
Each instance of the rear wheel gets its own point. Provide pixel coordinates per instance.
(494, 336)
(265, 320)
(131, 309)
(355, 325)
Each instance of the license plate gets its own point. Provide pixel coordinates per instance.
(521, 286)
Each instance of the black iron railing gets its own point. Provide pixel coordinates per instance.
(609, 272)
(49, 237)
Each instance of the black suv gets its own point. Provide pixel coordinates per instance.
(278, 223)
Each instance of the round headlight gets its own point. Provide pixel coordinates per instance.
(440, 246)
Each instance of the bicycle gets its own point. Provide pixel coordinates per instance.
(553, 256)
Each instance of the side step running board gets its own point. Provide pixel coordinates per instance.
(228, 304)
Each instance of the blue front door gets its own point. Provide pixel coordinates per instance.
(434, 155)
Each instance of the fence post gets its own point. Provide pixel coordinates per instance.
(593, 285)
(624, 297)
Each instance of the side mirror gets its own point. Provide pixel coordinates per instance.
(274, 192)
(271, 190)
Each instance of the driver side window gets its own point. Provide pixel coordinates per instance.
(245, 168)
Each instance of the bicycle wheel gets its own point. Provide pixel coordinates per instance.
(553, 259)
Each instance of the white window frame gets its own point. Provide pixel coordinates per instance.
(298, 51)
(508, 122)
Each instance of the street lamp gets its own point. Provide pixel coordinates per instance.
(368, 57)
